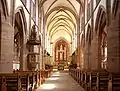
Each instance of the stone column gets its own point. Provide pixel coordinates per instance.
(7, 44)
(114, 46)
(94, 64)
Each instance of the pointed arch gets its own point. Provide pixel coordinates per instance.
(100, 19)
(65, 18)
(20, 28)
(4, 7)
(61, 38)
(101, 32)
(64, 30)
(23, 18)
(116, 7)
(58, 8)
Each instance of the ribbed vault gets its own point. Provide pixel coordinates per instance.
(61, 18)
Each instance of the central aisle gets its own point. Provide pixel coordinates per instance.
(60, 81)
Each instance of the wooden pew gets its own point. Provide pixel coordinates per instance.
(37, 79)
(91, 84)
(102, 81)
(76, 74)
(49, 72)
(84, 80)
(10, 81)
(70, 72)
(97, 81)
(44, 74)
(114, 82)
(25, 80)
(79, 76)
(20, 81)
(29, 80)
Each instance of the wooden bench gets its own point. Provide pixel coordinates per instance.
(82, 79)
(114, 82)
(102, 81)
(20, 81)
(30, 79)
(26, 78)
(10, 81)
(92, 78)
(44, 74)
(86, 81)
(71, 72)
(78, 76)
(97, 80)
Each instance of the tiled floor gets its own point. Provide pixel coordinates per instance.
(60, 81)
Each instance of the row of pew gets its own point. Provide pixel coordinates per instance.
(23, 80)
(96, 80)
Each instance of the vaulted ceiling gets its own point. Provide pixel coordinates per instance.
(61, 18)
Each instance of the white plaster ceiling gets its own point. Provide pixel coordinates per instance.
(61, 18)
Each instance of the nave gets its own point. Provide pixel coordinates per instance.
(37, 36)
(60, 81)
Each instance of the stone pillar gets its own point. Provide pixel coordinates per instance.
(85, 57)
(94, 64)
(113, 37)
(114, 46)
(7, 44)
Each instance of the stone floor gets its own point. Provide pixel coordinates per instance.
(60, 81)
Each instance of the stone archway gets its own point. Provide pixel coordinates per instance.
(101, 32)
(19, 28)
